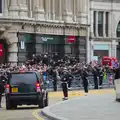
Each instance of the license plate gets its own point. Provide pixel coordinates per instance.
(14, 90)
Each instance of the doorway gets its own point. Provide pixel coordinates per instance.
(3, 51)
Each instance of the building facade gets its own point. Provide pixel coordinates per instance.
(40, 26)
(105, 28)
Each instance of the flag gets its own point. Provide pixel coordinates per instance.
(1, 50)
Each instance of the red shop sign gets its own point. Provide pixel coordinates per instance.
(71, 39)
(1, 50)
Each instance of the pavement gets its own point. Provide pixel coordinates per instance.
(99, 104)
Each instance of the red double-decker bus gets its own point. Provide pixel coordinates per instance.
(109, 61)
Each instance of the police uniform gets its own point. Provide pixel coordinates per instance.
(1, 91)
(64, 84)
(100, 77)
(54, 80)
(95, 74)
(70, 78)
(84, 76)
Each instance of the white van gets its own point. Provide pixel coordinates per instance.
(117, 88)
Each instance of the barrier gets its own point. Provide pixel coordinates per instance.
(77, 81)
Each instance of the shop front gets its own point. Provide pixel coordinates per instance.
(41, 44)
(26, 46)
(100, 50)
(50, 44)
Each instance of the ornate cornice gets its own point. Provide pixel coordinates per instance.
(4, 27)
(103, 38)
(44, 23)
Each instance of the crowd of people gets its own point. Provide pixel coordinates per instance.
(61, 69)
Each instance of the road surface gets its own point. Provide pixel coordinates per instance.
(31, 113)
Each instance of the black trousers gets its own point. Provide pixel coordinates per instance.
(65, 89)
(85, 85)
(100, 80)
(95, 83)
(69, 83)
(55, 85)
(0, 98)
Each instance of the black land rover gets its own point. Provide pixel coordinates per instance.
(25, 88)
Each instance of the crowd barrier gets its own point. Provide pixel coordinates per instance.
(77, 81)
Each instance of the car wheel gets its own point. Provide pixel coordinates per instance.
(41, 103)
(14, 106)
(8, 105)
(46, 100)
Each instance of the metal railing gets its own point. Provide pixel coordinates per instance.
(77, 82)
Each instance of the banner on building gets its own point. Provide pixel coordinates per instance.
(71, 39)
(1, 50)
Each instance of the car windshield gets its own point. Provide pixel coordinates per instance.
(27, 78)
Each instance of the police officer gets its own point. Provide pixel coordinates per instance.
(54, 74)
(64, 84)
(70, 78)
(95, 74)
(101, 77)
(84, 75)
(1, 91)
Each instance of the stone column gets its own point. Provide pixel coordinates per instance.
(88, 50)
(13, 58)
(60, 10)
(82, 11)
(96, 24)
(91, 22)
(74, 10)
(6, 8)
(104, 24)
(53, 9)
(14, 9)
(113, 48)
(13, 48)
(92, 48)
(39, 10)
(23, 9)
(67, 13)
(49, 2)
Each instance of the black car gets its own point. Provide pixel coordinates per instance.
(25, 88)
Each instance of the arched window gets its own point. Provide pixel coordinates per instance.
(118, 30)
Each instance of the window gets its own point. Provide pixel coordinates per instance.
(27, 78)
(100, 24)
(118, 30)
(101, 53)
(25, 82)
(51, 48)
(26, 2)
(94, 23)
(107, 23)
(1, 6)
